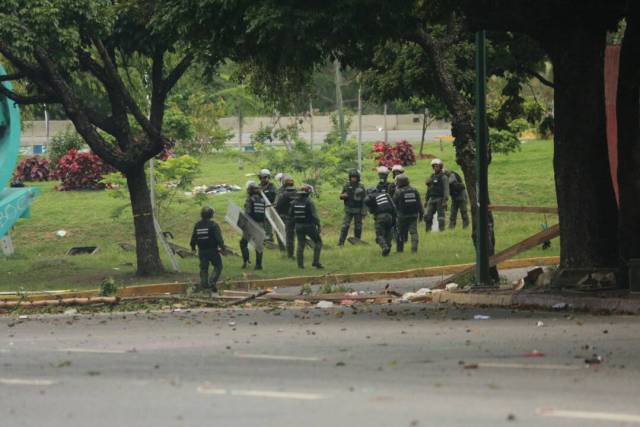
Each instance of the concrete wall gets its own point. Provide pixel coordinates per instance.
(34, 132)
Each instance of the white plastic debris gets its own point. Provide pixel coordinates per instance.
(423, 291)
(559, 306)
(61, 233)
(407, 296)
(452, 286)
(232, 323)
(540, 324)
(71, 311)
(481, 317)
(324, 304)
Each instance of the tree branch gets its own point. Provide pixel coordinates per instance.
(541, 78)
(177, 73)
(26, 99)
(11, 77)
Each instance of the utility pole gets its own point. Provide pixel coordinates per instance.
(386, 131)
(339, 108)
(482, 229)
(360, 129)
(239, 127)
(311, 123)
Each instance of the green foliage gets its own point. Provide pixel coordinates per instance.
(503, 141)
(172, 176)
(334, 136)
(62, 143)
(178, 126)
(108, 287)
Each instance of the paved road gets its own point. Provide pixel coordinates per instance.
(369, 136)
(395, 365)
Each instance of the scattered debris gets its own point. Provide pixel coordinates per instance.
(324, 304)
(560, 306)
(82, 250)
(540, 324)
(534, 353)
(593, 360)
(61, 233)
(481, 317)
(532, 276)
(471, 366)
(215, 189)
(71, 311)
(126, 246)
(452, 287)
(511, 417)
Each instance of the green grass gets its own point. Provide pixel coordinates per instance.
(40, 263)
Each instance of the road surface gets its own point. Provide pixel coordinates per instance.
(391, 365)
(367, 136)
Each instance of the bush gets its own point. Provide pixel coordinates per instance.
(401, 153)
(503, 141)
(62, 143)
(32, 169)
(81, 171)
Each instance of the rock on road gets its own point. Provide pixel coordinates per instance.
(383, 365)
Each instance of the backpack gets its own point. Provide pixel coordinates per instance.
(456, 186)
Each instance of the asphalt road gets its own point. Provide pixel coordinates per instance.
(392, 365)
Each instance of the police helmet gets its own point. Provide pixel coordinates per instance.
(207, 212)
(402, 180)
(383, 170)
(264, 172)
(307, 188)
(371, 190)
(397, 168)
(354, 172)
(279, 176)
(436, 162)
(251, 185)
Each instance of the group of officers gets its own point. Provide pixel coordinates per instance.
(395, 205)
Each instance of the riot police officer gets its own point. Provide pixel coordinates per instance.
(353, 194)
(287, 193)
(384, 215)
(208, 239)
(395, 171)
(383, 176)
(254, 207)
(437, 195)
(407, 201)
(307, 224)
(269, 190)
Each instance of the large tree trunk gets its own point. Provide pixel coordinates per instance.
(629, 145)
(147, 253)
(586, 201)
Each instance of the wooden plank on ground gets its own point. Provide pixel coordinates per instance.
(510, 252)
(531, 209)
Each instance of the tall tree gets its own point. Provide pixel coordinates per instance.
(574, 36)
(76, 53)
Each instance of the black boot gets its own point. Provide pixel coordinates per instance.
(258, 261)
(204, 280)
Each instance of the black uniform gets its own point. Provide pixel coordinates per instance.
(270, 193)
(286, 195)
(384, 186)
(407, 201)
(353, 206)
(254, 207)
(208, 238)
(384, 215)
(307, 224)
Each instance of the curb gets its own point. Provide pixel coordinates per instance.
(626, 305)
(282, 282)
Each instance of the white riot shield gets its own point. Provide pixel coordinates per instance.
(247, 227)
(274, 219)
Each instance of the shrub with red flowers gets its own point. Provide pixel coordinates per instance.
(401, 153)
(32, 168)
(81, 171)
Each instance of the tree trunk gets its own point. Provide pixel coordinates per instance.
(147, 253)
(586, 201)
(629, 146)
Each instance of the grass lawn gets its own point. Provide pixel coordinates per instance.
(40, 263)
